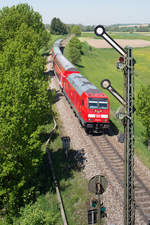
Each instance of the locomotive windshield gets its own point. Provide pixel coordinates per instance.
(98, 103)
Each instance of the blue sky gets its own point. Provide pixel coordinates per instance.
(89, 12)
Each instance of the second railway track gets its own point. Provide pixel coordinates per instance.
(115, 162)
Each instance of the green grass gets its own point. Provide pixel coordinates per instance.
(101, 64)
(132, 36)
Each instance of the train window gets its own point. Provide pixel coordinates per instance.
(98, 103)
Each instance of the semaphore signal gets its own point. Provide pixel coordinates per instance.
(100, 31)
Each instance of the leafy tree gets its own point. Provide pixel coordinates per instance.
(75, 49)
(57, 27)
(24, 106)
(143, 109)
(76, 30)
(12, 18)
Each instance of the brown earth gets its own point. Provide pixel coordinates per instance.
(122, 42)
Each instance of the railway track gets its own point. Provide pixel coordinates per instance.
(115, 162)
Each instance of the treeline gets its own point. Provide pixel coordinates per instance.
(57, 27)
(111, 28)
(25, 107)
(117, 28)
(128, 28)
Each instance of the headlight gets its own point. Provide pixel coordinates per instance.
(91, 115)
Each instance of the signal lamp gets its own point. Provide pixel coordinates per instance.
(105, 83)
(103, 211)
(99, 30)
(121, 59)
(120, 63)
(94, 202)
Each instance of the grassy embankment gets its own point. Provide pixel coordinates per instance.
(72, 183)
(98, 64)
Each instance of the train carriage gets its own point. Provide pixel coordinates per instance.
(62, 66)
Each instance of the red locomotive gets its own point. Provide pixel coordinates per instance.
(90, 105)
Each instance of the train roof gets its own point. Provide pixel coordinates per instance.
(81, 84)
(57, 51)
(61, 58)
(56, 47)
(57, 43)
(65, 63)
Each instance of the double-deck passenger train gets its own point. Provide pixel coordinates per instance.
(89, 104)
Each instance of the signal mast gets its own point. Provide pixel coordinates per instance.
(126, 63)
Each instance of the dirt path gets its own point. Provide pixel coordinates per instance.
(96, 43)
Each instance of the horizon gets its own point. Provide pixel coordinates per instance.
(116, 24)
(89, 13)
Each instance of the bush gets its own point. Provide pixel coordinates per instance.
(36, 214)
(76, 30)
(86, 49)
(74, 50)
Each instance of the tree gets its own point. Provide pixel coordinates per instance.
(75, 48)
(57, 27)
(143, 109)
(12, 18)
(76, 30)
(24, 105)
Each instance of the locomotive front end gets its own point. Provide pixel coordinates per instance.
(98, 113)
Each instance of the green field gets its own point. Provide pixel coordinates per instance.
(121, 35)
(99, 64)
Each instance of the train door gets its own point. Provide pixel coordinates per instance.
(75, 98)
(82, 106)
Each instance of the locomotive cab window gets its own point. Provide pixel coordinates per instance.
(98, 103)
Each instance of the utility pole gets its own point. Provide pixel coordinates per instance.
(126, 62)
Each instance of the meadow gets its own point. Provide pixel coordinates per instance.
(121, 35)
(99, 64)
